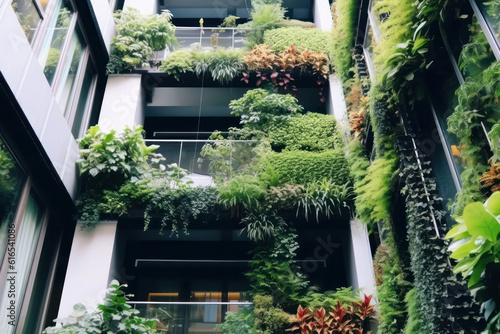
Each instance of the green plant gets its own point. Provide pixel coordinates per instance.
(303, 167)
(345, 13)
(269, 319)
(259, 109)
(238, 323)
(115, 316)
(329, 299)
(285, 196)
(230, 21)
(108, 159)
(263, 17)
(177, 63)
(476, 55)
(282, 39)
(323, 197)
(138, 36)
(224, 64)
(414, 323)
(310, 132)
(242, 192)
(262, 225)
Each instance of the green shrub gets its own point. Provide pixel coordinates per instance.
(304, 39)
(310, 132)
(243, 191)
(177, 63)
(260, 109)
(302, 167)
(373, 203)
(345, 14)
(268, 318)
(238, 323)
(263, 17)
(223, 64)
(414, 323)
(329, 299)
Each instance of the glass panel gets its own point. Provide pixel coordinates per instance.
(66, 87)
(28, 17)
(43, 3)
(491, 13)
(18, 273)
(11, 184)
(83, 101)
(55, 36)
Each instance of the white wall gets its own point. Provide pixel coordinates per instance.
(363, 261)
(336, 102)
(25, 77)
(123, 103)
(104, 16)
(144, 6)
(322, 15)
(88, 267)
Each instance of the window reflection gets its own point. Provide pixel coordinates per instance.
(83, 101)
(74, 57)
(11, 182)
(491, 13)
(55, 36)
(28, 17)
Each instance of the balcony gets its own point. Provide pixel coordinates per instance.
(186, 153)
(209, 38)
(188, 317)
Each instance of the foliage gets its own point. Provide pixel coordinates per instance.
(138, 36)
(494, 136)
(243, 191)
(391, 288)
(263, 17)
(357, 108)
(310, 132)
(230, 21)
(285, 196)
(115, 316)
(282, 39)
(339, 320)
(477, 102)
(178, 204)
(374, 192)
(9, 180)
(51, 63)
(358, 162)
(260, 109)
(345, 14)
(223, 64)
(323, 197)
(262, 225)
(268, 318)
(108, 159)
(298, 23)
(414, 323)
(238, 323)
(454, 309)
(177, 63)
(476, 55)
(329, 299)
(303, 167)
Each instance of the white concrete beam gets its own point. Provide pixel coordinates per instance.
(322, 15)
(362, 257)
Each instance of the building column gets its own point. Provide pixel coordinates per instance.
(323, 15)
(362, 258)
(123, 103)
(89, 266)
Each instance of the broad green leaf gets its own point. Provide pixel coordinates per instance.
(481, 222)
(493, 204)
(465, 249)
(456, 230)
(479, 268)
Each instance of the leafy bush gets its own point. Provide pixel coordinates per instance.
(242, 191)
(345, 14)
(114, 316)
(263, 17)
(238, 323)
(108, 159)
(259, 109)
(223, 64)
(262, 225)
(138, 36)
(310, 132)
(268, 318)
(302, 167)
(177, 63)
(414, 323)
(282, 39)
(329, 299)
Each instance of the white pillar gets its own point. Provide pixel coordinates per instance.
(123, 103)
(322, 15)
(89, 265)
(362, 257)
(144, 6)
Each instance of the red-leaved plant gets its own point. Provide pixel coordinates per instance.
(341, 320)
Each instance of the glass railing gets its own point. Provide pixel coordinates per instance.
(210, 38)
(188, 317)
(186, 153)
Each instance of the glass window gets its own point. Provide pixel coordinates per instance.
(28, 16)
(83, 101)
(25, 243)
(491, 13)
(55, 36)
(11, 184)
(70, 71)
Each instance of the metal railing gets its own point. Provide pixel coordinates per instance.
(186, 153)
(209, 38)
(188, 317)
